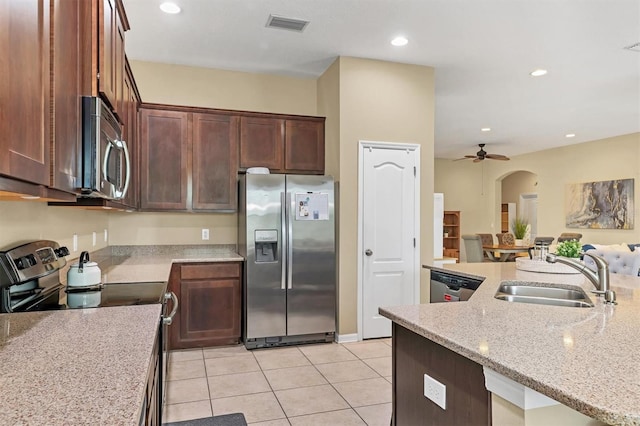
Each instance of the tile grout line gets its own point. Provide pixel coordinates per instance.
(272, 390)
(334, 388)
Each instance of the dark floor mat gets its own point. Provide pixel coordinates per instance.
(235, 419)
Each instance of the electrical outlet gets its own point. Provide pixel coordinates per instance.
(75, 242)
(435, 391)
(93, 238)
(106, 236)
(205, 233)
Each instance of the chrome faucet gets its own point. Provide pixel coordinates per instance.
(599, 280)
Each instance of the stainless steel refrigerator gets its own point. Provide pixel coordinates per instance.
(286, 232)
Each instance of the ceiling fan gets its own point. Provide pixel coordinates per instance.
(482, 154)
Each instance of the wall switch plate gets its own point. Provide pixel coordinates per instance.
(106, 236)
(75, 242)
(435, 391)
(205, 233)
(93, 238)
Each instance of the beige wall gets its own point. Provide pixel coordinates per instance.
(31, 220)
(518, 183)
(472, 187)
(378, 101)
(211, 88)
(172, 228)
(214, 88)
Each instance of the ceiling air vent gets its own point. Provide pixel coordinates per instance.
(635, 47)
(282, 23)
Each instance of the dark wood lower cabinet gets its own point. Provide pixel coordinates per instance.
(468, 401)
(210, 298)
(151, 409)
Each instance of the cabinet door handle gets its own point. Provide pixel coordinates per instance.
(171, 295)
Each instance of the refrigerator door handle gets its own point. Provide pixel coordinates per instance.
(283, 240)
(290, 212)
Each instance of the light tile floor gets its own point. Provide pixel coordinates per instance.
(320, 384)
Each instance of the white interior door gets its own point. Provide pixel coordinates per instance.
(389, 234)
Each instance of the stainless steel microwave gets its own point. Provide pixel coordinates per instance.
(106, 164)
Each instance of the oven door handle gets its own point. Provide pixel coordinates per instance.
(171, 295)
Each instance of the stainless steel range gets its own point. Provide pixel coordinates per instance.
(30, 281)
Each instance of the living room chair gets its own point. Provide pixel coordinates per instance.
(506, 239)
(568, 236)
(487, 240)
(473, 248)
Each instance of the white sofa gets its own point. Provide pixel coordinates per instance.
(620, 258)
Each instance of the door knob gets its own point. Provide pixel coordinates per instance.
(368, 252)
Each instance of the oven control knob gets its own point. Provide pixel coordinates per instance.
(25, 262)
(62, 251)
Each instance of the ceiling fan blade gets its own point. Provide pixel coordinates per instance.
(497, 157)
(478, 159)
(466, 157)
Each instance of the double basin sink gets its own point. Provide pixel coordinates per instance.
(543, 294)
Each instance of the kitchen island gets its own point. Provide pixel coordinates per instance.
(585, 358)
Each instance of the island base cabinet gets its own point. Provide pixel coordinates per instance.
(467, 400)
(210, 298)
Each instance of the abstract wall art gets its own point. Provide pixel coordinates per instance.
(600, 205)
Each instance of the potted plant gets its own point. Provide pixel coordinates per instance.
(519, 227)
(570, 248)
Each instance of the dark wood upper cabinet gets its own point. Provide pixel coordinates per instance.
(215, 162)
(200, 162)
(67, 92)
(164, 141)
(261, 143)
(129, 108)
(284, 144)
(304, 145)
(110, 67)
(25, 112)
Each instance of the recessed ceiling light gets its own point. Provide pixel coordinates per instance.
(168, 7)
(538, 72)
(399, 41)
(570, 135)
(485, 129)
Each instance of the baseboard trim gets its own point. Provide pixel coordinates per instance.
(346, 338)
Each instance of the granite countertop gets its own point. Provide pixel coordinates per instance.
(77, 366)
(585, 358)
(89, 366)
(130, 264)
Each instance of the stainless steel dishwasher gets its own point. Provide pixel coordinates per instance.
(450, 286)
